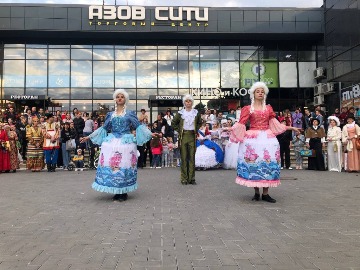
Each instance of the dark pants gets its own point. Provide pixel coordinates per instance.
(285, 149)
(156, 161)
(141, 157)
(317, 162)
(147, 151)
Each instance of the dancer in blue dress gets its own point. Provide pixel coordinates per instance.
(117, 170)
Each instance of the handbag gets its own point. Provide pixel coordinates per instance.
(70, 145)
(357, 143)
(308, 153)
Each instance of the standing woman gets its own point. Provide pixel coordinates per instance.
(259, 151)
(14, 161)
(334, 144)
(117, 170)
(4, 150)
(35, 152)
(350, 132)
(315, 140)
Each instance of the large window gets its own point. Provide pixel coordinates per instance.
(78, 74)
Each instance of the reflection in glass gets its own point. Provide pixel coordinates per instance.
(194, 73)
(229, 55)
(210, 74)
(62, 54)
(59, 46)
(209, 55)
(146, 47)
(81, 54)
(229, 74)
(125, 47)
(146, 74)
(125, 54)
(35, 91)
(59, 73)
(146, 55)
(249, 55)
(167, 55)
(125, 74)
(168, 91)
(167, 71)
(103, 74)
(36, 72)
(81, 46)
(306, 56)
(13, 91)
(183, 54)
(59, 93)
(183, 74)
(145, 93)
(183, 91)
(36, 53)
(14, 53)
(14, 73)
(287, 56)
(36, 46)
(194, 55)
(103, 54)
(81, 73)
(103, 106)
(103, 93)
(81, 93)
(82, 105)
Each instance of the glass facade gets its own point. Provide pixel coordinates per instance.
(84, 76)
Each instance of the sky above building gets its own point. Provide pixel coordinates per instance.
(204, 3)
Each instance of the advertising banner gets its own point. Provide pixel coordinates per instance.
(268, 71)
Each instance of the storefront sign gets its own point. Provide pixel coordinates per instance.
(350, 93)
(166, 97)
(217, 92)
(267, 71)
(25, 97)
(136, 15)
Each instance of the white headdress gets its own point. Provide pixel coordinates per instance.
(252, 90)
(126, 95)
(335, 119)
(187, 97)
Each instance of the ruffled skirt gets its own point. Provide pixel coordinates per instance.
(258, 162)
(117, 169)
(231, 155)
(205, 157)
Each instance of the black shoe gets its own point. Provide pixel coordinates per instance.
(53, 167)
(193, 182)
(120, 197)
(268, 198)
(48, 166)
(256, 197)
(116, 197)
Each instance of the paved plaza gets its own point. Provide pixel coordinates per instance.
(56, 221)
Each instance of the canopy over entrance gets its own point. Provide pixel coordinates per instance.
(39, 101)
(165, 101)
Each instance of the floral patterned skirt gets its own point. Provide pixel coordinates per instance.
(258, 162)
(117, 169)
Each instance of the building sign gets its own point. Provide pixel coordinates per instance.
(350, 96)
(168, 97)
(136, 15)
(217, 92)
(267, 71)
(25, 97)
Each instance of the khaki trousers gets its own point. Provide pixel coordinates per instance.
(187, 152)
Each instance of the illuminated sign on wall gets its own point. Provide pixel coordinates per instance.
(120, 15)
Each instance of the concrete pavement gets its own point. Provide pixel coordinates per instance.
(56, 221)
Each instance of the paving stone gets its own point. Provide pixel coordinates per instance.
(56, 221)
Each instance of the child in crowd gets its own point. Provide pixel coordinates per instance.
(298, 142)
(171, 147)
(79, 161)
(156, 150)
(165, 153)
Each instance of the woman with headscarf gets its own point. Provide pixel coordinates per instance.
(315, 140)
(117, 169)
(350, 132)
(259, 150)
(334, 150)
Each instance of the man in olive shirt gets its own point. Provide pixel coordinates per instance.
(187, 122)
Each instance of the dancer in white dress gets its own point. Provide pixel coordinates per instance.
(334, 144)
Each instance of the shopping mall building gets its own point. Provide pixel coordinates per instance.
(76, 55)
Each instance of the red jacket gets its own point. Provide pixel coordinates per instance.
(157, 150)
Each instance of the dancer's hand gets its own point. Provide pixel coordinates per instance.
(84, 139)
